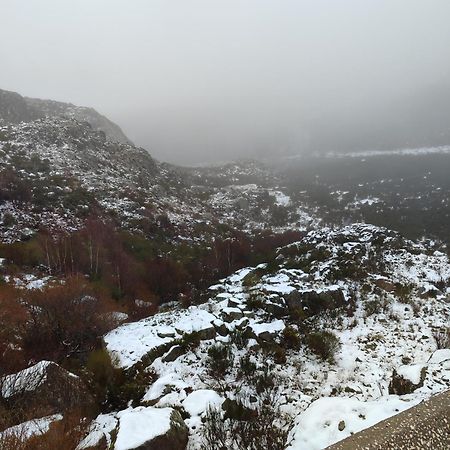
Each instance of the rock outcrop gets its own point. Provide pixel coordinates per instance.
(44, 389)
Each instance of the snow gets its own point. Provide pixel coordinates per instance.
(30, 281)
(239, 275)
(130, 342)
(313, 392)
(276, 326)
(195, 320)
(439, 356)
(318, 426)
(140, 425)
(411, 372)
(157, 389)
(34, 427)
(198, 401)
(279, 288)
(28, 379)
(281, 199)
(102, 426)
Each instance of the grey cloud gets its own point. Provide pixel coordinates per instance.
(209, 80)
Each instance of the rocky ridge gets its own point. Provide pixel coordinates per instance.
(15, 109)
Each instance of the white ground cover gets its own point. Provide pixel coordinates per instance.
(317, 395)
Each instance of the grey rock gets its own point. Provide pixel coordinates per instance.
(402, 386)
(175, 352)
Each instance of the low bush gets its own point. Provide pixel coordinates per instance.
(324, 344)
(246, 368)
(255, 301)
(243, 428)
(113, 387)
(219, 360)
(442, 338)
(238, 338)
(291, 338)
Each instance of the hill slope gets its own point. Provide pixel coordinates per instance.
(15, 109)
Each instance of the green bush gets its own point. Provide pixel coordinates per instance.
(324, 344)
(114, 387)
(291, 338)
(219, 360)
(254, 301)
(8, 220)
(238, 338)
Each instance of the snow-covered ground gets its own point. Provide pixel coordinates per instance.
(326, 400)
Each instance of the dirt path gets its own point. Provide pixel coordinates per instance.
(425, 426)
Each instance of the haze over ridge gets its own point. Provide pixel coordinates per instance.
(205, 80)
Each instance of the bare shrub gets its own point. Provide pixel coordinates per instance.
(262, 427)
(248, 423)
(65, 320)
(442, 338)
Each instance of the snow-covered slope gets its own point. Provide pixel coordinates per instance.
(54, 172)
(383, 297)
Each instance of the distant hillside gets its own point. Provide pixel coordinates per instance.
(15, 109)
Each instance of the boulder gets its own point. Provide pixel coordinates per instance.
(175, 352)
(204, 334)
(406, 379)
(233, 303)
(45, 389)
(275, 309)
(222, 330)
(149, 428)
(207, 333)
(235, 409)
(231, 314)
(315, 301)
(385, 284)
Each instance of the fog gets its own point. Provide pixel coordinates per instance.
(198, 81)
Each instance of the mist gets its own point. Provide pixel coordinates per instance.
(205, 81)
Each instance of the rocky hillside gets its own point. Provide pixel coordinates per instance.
(342, 330)
(145, 305)
(15, 109)
(56, 171)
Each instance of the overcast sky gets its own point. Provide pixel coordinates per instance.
(204, 80)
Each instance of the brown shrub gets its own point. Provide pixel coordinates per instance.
(64, 320)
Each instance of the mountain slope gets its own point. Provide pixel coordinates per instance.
(54, 172)
(333, 330)
(261, 327)
(15, 109)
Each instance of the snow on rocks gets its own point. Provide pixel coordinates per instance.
(198, 401)
(141, 427)
(267, 331)
(30, 428)
(62, 389)
(26, 380)
(379, 331)
(129, 343)
(154, 428)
